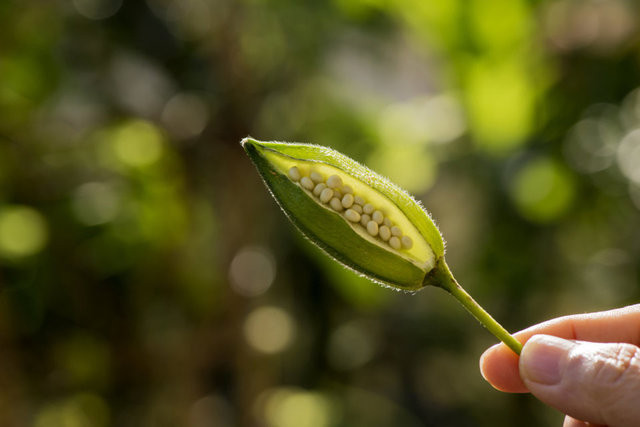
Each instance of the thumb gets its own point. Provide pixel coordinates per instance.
(594, 382)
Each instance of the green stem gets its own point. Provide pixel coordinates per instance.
(441, 276)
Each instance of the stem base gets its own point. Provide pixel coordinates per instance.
(441, 277)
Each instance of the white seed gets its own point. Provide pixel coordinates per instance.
(364, 219)
(347, 189)
(337, 193)
(319, 188)
(316, 177)
(394, 242)
(347, 200)
(388, 222)
(307, 183)
(352, 215)
(326, 195)
(395, 231)
(334, 181)
(358, 200)
(378, 217)
(407, 243)
(357, 208)
(385, 233)
(294, 174)
(372, 228)
(335, 204)
(368, 208)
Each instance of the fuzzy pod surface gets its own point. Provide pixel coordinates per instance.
(334, 215)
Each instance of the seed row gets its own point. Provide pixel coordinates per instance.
(341, 198)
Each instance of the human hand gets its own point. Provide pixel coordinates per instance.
(587, 366)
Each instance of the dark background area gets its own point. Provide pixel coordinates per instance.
(148, 279)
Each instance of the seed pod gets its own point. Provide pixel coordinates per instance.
(412, 255)
(343, 236)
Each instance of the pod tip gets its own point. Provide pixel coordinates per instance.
(245, 140)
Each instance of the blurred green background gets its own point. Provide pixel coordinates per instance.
(148, 279)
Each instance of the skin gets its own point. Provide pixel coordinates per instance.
(587, 366)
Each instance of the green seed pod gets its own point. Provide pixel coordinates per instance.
(384, 234)
(290, 171)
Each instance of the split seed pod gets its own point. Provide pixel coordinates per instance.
(293, 171)
(362, 220)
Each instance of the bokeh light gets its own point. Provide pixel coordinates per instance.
(138, 84)
(410, 166)
(211, 410)
(490, 22)
(23, 231)
(500, 101)
(608, 135)
(269, 329)
(82, 409)
(436, 119)
(252, 271)
(591, 145)
(96, 203)
(137, 143)
(629, 156)
(185, 115)
(97, 9)
(542, 190)
(83, 359)
(291, 407)
(351, 345)
(188, 19)
(596, 25)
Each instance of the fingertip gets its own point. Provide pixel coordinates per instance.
(499, 367)
(486, 358)
(572, 422)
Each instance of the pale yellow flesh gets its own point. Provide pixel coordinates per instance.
(420, 254)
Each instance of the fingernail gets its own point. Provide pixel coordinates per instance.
(542, 359)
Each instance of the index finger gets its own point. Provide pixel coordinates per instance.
(499, 365)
